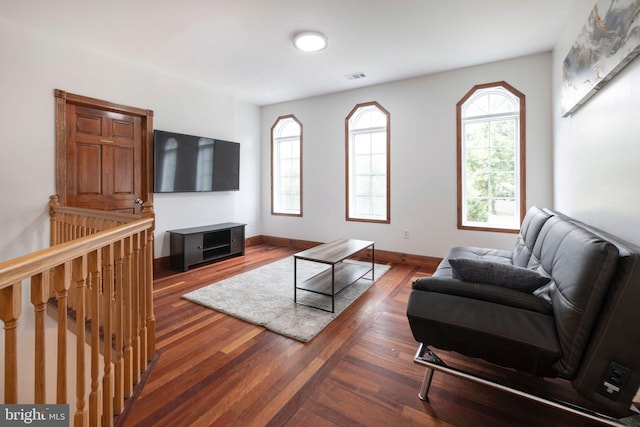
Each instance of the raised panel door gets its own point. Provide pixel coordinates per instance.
(104, 159)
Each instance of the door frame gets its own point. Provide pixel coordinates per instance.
(62, 99)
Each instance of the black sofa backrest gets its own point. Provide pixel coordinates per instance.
(615, 337)
(529, 230)
(581, 266)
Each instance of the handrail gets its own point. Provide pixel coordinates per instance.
(99, 273)
(114, 216)
(37, 262)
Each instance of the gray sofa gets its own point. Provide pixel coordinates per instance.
(564, 303)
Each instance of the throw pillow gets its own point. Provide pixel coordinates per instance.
(498, 274)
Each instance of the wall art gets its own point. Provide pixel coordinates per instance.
(608, 42)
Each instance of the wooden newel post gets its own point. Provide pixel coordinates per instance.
(54, 201)
(10, 309)
(148, 212)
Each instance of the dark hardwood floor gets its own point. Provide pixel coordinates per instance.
(214, 369)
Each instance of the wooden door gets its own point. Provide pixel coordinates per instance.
(103, 154)
(103, 159)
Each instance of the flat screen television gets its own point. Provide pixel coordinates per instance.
(187, 163)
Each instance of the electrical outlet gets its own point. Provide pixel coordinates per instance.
(405, 234)
(613, 380)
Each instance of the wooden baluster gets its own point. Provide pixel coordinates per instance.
(62, 228)
(39, 297)
(65, 230)
(77, 225)
(118, 399)
(88, 312)
(148, 212)
(61, 217)
(68, 220)
(127, 295)
(107, 294)
(71, 296)
(79, 220)
(90, 290)
(80, 279)
(94, 260)
(61, 283)
(135, 315)
(72, 227)
(151, 319)
(85, 228)
(142, 296)
(72, 301)
(10, 309)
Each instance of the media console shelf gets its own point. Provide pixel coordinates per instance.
(199, 245)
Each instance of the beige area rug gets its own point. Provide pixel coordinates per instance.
(264, 296)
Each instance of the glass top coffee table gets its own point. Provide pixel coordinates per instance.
(341, 274)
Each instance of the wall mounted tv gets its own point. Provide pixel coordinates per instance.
(187, 163)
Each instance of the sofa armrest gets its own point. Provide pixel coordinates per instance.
(484, 292)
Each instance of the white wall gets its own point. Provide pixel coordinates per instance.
(597, 149)
(423, 158)
(34, 64)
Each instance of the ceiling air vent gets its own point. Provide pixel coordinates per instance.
(356, 76)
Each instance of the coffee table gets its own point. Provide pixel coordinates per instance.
(341, 274)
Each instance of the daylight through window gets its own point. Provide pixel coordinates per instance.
(490, 150)
(286, 164)
(368, 163)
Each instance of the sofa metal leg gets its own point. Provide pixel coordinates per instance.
(426, 383)
(427, 358)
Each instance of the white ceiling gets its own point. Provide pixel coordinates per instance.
(243, 47)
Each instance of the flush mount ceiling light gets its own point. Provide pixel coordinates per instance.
(310, 41)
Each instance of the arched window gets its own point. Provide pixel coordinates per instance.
(367, 147)
(286, 166)
(491, 158)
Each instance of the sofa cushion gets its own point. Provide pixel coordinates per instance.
(497, 273)
(484, 292)
(477, 328)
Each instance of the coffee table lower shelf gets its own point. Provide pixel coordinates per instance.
(344, 274)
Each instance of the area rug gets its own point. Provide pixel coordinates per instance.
(264, 296)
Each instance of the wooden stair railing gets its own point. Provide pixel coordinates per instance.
(99, 266)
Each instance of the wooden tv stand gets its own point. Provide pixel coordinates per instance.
(208, 243)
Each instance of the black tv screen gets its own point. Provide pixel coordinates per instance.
(187, 163)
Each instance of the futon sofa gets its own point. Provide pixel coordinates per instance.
(564, 303)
